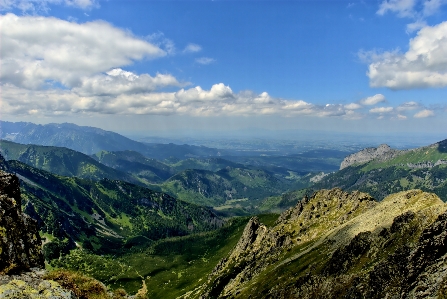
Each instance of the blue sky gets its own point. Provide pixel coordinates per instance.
(155, 66)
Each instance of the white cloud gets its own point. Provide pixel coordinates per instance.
(423, 65)
(404, 8)
(424, 113)
(35, 6)
(192, 48)
(38, 50)
(118, 81)
(373, 100)
(205, 60)
(381, 110)
(353, 106)
(401, 117)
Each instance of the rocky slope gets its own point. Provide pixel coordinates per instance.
(336, 244)
(20, 243)
(382, 152)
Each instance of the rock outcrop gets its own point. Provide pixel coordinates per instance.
(20, 243)
(383, 152)
(32, 285)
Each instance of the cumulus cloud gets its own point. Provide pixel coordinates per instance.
(381, 110)
(118, 81)
(373, 100)
(192, 48)
(218, 100)
(423, 65)
(205, 60)
(424, 113)
(38, 50)
(197, 94)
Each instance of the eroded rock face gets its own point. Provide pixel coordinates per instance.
(20, 243)
(383, 152)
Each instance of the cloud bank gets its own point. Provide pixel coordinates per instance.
(52, 67)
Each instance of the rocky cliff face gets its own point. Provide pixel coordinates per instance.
(20, 243)
(382, 152)
(340, 245)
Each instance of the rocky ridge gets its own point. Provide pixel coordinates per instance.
(20, 243)
(340, 245)
(382, 152)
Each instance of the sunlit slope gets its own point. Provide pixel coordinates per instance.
(338, 245)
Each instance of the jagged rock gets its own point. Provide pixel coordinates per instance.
(20, 243)
(383, 152)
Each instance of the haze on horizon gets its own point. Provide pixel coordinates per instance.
(378, 67)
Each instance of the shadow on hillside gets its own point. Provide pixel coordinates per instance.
(442, 146)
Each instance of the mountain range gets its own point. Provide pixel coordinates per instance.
(160, 218)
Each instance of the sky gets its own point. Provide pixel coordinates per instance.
(373, 67)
